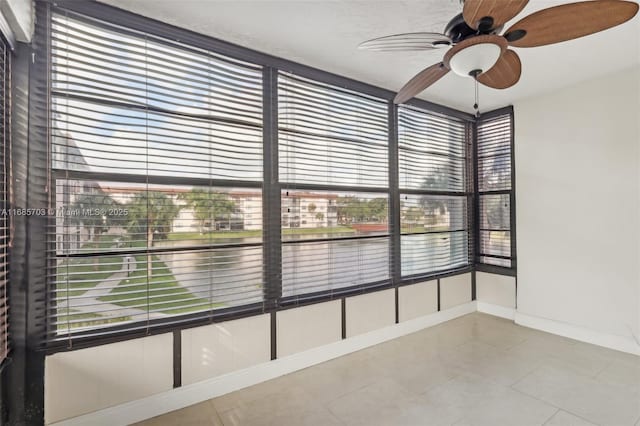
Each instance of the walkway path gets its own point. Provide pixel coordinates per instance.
(88, 302)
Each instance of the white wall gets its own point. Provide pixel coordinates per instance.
(417, 300)
(308, 327)
(217, 349)
(499, 290)
(86, 380)
(578, 206)
(369, 312)
(222, 357)
(19, 15)
(455, 290)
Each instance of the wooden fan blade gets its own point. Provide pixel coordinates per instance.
(569, 21)
(505, 73)
(407, 42)
(500, 11)
(421, 81)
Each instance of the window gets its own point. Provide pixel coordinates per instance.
(5, 180)
(157, 162)
(495, 189)
(333, 151)
(158, 173)
(432, 156)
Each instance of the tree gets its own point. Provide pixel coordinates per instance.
(208, 206)
(151, 215)
(437, 180)
(498, 212)
(352, 209)
(311, 207)
(378, 209)
(413, 215)
(92, 210)
(320, 216)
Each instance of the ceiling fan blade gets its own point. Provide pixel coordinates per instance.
(407, 42)
(505, 73)
(569, 21)
(421, 81)
(500, 11)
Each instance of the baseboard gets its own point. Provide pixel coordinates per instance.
(185, 396)
(611, 341)
(496, 310)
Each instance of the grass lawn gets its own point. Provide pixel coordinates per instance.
(103, 242)
(315, 231)
(89, 319)
(418, 229)
(213, 235)
(165, 293)
(257, 233)
(77, 275)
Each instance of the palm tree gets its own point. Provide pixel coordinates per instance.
(93, 212)
(88, 206)
(208, 205)
(151, 214)
(438, 180)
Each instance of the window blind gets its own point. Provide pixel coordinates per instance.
(5, 180)
(333, 153)
(157, 163)
(432, 153)
(331, 136)
(495, 191)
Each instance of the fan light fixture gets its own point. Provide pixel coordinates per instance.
(475, 59)
(480, 49)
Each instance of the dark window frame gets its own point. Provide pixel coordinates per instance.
(285, 186)
(5, 197)
(479, 265)
(271, 187)
(148, 326)
(466, 192)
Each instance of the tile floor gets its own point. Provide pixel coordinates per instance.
(475, 370)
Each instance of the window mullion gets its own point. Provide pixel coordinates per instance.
(271, 210)
(394, 197)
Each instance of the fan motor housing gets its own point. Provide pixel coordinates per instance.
(458, 30)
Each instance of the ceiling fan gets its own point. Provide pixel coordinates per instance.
(478, 50)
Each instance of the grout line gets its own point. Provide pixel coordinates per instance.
(546, 422)
(215, 410)
(554, 405)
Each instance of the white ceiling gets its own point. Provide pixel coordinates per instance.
(325, 33)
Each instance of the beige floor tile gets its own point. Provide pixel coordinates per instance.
(476, 369)
(499, 335)
(202, 414)
(330, 380)
(582, 359)
(505, 368)
(508, 408)
(262, 410)
(309, 417)
(621, 373)
(467, 355)
(424, 374)
(252, 393)
(584, 396)
(376, 404)
(562, 418)
(451, 401)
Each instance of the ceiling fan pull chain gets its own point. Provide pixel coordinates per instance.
(476, 106)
